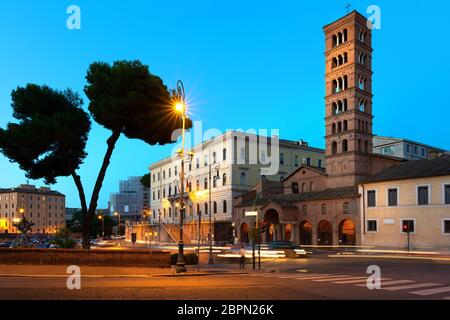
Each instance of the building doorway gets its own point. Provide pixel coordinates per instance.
(325, 233)
(347, 233)
(272, 220)
(306, 233)
(244, 233)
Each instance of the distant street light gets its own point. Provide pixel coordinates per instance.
(116, 214)
(100, 217)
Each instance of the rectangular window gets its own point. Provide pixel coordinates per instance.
(371, 198)
(214, 157)
(422, 196)
(319, 163)
(296, 161)
(393, 197)
(372, 226)
(282, 158)
(447, 194)
(346, 208)
(197, 163)
(176, 171)
(308, 161)
(224, 154)
(446, 227)
(408, 225)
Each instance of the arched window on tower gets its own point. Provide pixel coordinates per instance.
(345, 33)
(339, 129)
(335, 86)
(345, 104)
(362, 36)
(334, 147)
(340, 106)
(340, 38)
(344, 145)
(345, 57)
(334, 63)
(362, 83)
(334, 108)
(362, 105)
(345, 83)
(366, 127)
(334, 40)
(359, 125)
(359, 145)
(345, 125)
(341, 60)
(333, 128)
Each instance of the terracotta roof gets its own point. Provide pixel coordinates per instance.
(32, 191)
(288, 200)
(414, 169)
(320, 170)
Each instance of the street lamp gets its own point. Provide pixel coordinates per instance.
(100, 217)
(116, 214)
(180, 108)
(216, 168)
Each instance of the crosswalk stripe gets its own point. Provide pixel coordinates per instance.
(388, 283)
(357, 281)
(412, 286)
(429, 292)
(296, 275)
(343, 278)
(328, 277)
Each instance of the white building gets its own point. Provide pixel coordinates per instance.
(404, 148)
(237, 161)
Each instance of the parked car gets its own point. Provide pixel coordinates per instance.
(106, 244)
(5, 245)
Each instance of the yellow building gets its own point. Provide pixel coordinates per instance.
(43, 207)
(413, 196)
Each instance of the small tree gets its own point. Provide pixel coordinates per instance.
(63, 240)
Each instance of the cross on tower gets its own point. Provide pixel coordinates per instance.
(348, 7)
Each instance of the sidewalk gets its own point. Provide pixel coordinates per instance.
(46, 271)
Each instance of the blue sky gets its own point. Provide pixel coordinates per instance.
(245, 64)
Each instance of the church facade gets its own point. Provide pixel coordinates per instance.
(316, 206)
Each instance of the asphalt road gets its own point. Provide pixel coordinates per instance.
(316, 278)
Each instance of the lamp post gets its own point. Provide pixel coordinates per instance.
(216, 168)
(100, 217)
(181, 109)
(116, 214)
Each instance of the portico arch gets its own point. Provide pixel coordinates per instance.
(244, 232)
(305, 233)
(347, 232)
(325, 233)
(272, 220)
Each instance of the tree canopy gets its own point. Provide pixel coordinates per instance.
(50, 137)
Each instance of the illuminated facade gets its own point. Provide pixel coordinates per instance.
(43, 207)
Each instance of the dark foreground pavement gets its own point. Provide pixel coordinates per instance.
(315, 278)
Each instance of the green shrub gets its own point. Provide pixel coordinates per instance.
(189, 258)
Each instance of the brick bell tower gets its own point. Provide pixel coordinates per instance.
(348, 100)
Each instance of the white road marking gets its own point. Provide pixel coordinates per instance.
(341, 279)
(358, 281)
(297, 275)
(388, 283)
(329, 277)
(431, 291)
(412, 286)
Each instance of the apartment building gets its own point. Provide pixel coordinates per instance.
(44, 207)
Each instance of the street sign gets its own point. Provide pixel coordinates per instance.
(251, 213)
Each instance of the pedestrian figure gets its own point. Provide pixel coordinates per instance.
(242, 253)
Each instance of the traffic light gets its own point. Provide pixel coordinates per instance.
(406, 228)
